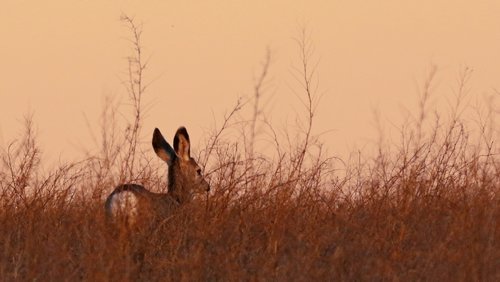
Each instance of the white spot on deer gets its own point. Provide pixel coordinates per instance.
(125, 204)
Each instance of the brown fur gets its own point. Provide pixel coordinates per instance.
(184, 180)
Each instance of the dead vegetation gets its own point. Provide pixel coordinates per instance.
(426, 207)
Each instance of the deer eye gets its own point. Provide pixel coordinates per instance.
(198, 171)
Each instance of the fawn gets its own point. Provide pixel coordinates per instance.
(133, 201)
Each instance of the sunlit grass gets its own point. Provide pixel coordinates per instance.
(426, 207)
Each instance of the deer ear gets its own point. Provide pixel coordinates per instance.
(162, 148)
(182, 146)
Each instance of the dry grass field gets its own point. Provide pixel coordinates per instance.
(418, 211)
(424, 208)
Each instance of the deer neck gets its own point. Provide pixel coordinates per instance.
(178, 187)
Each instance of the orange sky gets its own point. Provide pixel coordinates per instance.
(60, 58)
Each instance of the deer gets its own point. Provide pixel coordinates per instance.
(185, 179)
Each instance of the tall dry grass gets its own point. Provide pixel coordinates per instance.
(425, 207)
